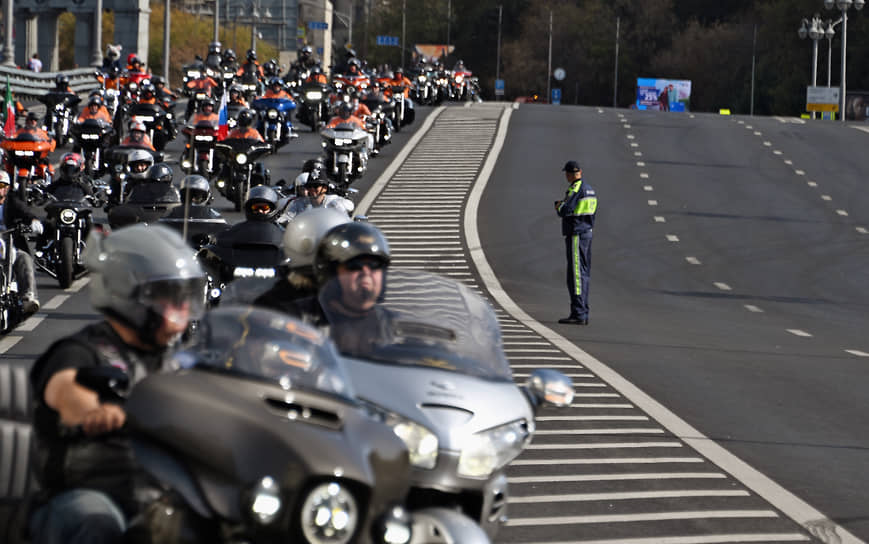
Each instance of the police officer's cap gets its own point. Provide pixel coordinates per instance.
(571, 166)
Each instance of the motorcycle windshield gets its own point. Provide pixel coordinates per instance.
(280, 104)
(421, 319)
(266, 345)
(69, 194)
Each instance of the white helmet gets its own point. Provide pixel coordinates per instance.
(304, 232)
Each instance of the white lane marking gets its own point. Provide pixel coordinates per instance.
(644, 175)
(753, 308)
(791, 505)
(799, 332)
(630, 136)
(757, 133)
(864, 129)
(625, 495)
(862, 230)
(596, 395)
(660, 219)
(592, 418)
(605, 461)
(653, 203)
(626, 125)
(604, 446)
(826, 197)
(55, 302)
(648, 188)
(30, 323)
(638, 153)
(767, 144)
(799, 172)
(516, 107)
(776, 152)
(723, 286)
(740, 122)
(857, 352)
(616, 477)
(608, 406)
(672, 238)
(692, 260)
(812, 183)
(749, 127)
(592, 432)
(789, 162)
(635, 144)
(9, 341)
(77, 285)
(641, 164)
(700, 539)
(633, 518)
(843, 213)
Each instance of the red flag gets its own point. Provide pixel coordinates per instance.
(9, 125)
(223, 118)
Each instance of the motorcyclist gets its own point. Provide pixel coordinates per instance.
(360, 110)
(300, 241)
(229, 60)
(139, 162)
(156, 187)
(276, 90)
(244, 129)
(316, 196)
(206, 113)
(345, 116)
(251, 66)
(61, 84)
(203, 84)
(147, 94)
(13, 212)
(305, 60)
(349, 54)
(163, 94)
(148, 286)
(271, 69)
(213, 59)
(95, 110)
(31, 126)
(195, 216)
(317, 76)
(398, 80)
(138, 136)
(236, 96)
(71, 175)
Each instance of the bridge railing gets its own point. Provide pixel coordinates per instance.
(27, 85)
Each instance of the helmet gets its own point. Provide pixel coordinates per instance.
(196, 188)
(316, 69)
(313, 164)
(235, 88)
(261, 203)
(251, 54)
(146, 87)
(228, 55)
(161, 173)
(131, 57)
(207, 101)
(399, 70)
(303, 234)
(71, 166)
(142, 275)
(138, 163)
(61, 80)
(137, 125)
(344, 110)
(4, 178)
(350, 53)
(214, 47)
(275, 81)
(345, 242)
(245, 118)
(158, 80)
(354, 62)
(95, 99)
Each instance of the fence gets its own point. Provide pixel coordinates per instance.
(28, 86)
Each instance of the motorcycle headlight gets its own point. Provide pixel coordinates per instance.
(422, 444)
(228, 75)
(459, 79)
(186, 163)
(393, 527)
(67, 216)
(241, 158)
(421, 79)
(314, 95)
(221, 184)
(272, 114)
(265, 500)
(169, 116)
(343, 141)
(242, 272)
(194, 74)
(487, 451)
(329, 515)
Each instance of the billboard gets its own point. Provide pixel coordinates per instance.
(663, 94)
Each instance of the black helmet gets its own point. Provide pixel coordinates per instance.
(314, 164)
(158, 80)
(61, 80)
(251, 54)
(316, 69)
(261, 203)
(196, 188)
(71, 166)
(345, 110)
(346, 242)
(350, 53)
(228, 55)
(161, 173)
(235, 88)
(245, 118)
(214, 47)
(275, 81)
(95, 99)
(207, 101)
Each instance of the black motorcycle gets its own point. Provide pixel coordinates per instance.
(195, 222)
(60, 113)
(313, 104)
(67, 222)
(240, 168)
(91, 137)
(157, 121)
(10, 299)
(198, 154)
(257, 437)
(116, 165)
(147, 202)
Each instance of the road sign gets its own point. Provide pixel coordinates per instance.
(556, 96)
(318, 25)
(559, 74)
(499, 87)
(822, 98)
(387, 40)
(319, 50)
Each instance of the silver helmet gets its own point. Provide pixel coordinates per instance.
(304, 232)
(141, 275)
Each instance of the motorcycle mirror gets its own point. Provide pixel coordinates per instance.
(109, 382)
(360, 218)
(549, 387)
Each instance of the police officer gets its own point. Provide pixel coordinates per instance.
(148, 286)
(577, 211)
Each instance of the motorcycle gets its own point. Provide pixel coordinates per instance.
(197, 223)
(434, 368)
(27, 161)
(250, 86)
(10, 298)
(257, 437)
(198, 155)
(116, 164)
(274, 124)
(313, 104)
(60, 113)
(91, 136)
(403, 114)
(147, 202)
(350, 83)
(240, 170)
(343, 147)
(67, 222)
(157, 122)
(379, 125)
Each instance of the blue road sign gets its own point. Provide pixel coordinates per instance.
(319, 50)
(318, 25)
(556, 96)
(499, 87)
(387, 40)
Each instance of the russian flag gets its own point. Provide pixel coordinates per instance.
(222, 118)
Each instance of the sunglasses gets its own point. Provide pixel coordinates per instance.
(261, 207)
(357, 264)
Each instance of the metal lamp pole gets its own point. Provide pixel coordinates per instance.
(843, 6)
(812, 29)
(829, 33)
(549, 65)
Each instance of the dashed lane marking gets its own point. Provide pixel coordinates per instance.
(30, 323)
(799, 332)
(753, 308)
(633, 518)
(723, 286)
(862, 230)
(9, 341)
(621, 496)
(660, 219)
(672, 238)
(644, 175)
(648, 188)
(843, 213)
(653, 203)
(857, 352)
(55, 302)
(692, 260)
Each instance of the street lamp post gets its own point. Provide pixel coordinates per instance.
(829, 33)
(813, 29)
(843, 6)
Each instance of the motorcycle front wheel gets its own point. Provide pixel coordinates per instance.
(66, 263)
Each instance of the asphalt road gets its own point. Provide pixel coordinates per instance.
(728, 278)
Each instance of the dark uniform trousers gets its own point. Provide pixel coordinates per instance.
(578, 249)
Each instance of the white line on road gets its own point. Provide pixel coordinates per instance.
(692, 260)
(632, 518)
(77, 285)
(630, 136)
(648, 188)
(826, 197)
(606, 461)
(776, 152)
(635, 144)
(789, 162)
(753, 308)
(757, 133)
(617, 477)
(699, 539)
(798, 332)
(857, 352)
(9, 341)
(30, 323)
(672, 238)
(625, 495)
(799, 172)
(55, 302)
(653, 203)
(723, 286)
(644, 175)
(768, 144)
(605, 446)
(812, 183)
(598, 431)
(660, 219)
(842, 213)
(638, 153)
(641, 164)
(862, 230)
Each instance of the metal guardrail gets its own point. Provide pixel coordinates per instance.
(27, 85)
